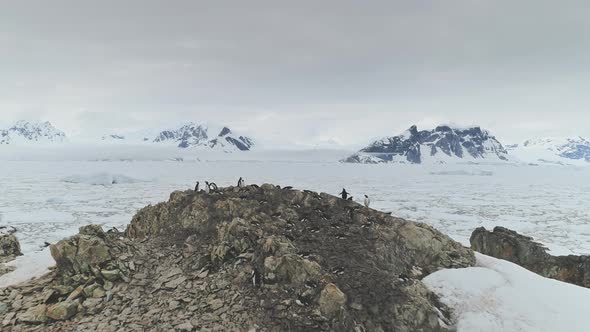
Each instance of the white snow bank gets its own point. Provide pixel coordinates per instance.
(497, 295)
(101, 179)
(27, 267)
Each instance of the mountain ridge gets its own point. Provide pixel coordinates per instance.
(439, 145)
(23, 132)
(191, 135)
(573, 149)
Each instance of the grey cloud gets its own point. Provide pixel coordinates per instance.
(315, 70)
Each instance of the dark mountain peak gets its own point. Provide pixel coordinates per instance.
(225, 131)
(443, 142)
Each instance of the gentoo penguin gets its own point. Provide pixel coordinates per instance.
(367, 201)
(344, 194)
(197, 186)
(207, 187)
(213, 186)
(241, 183)
(350, 198)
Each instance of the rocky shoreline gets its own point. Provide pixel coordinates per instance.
(242, 259)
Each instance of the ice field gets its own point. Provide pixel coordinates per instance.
(48, 200)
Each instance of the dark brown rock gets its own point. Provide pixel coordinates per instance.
(523, 250)
(258, 258)
(9, 248)
(62, 310)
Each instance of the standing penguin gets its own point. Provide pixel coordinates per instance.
(207, 187)
(241, 183)
(367, 201)
(197, 187)
(344, 194)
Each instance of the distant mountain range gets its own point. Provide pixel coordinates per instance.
(190, 135)
(439, 145)
(24, 132)
(443, 144)
(553, 150)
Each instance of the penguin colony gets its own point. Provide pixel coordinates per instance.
(212, 187)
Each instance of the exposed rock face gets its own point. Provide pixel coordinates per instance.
(522, 250)
(9, 248)
(299, 242)
(263, 258)
(195, 135)
(415, 146)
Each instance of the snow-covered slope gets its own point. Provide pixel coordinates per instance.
(191, 135)
(553, 150)
(440, 145)
(497, 295)
(25, 132)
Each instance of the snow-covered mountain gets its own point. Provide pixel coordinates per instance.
(191, 135)
(440, 145)
(25, 132)
(553, 150)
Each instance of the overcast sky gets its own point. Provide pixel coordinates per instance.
(317, 71)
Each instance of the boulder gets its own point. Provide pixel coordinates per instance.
(509, 245)
(34, 315)
(9, 248)
(332, 300)
(291, 269)
(82, 252)
(62, 310)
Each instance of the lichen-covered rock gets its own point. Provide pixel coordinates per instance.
(291, 269)
(238, 259)
(302, 241)
(62, 310)
(34, 315)
(332, 300)
(522, 250)
(82, 252)
(9, 248)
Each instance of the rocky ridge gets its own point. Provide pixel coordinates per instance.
(506, 244)
(190, 135)
(242, 259)
(438, 145)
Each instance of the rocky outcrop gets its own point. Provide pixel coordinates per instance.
(522, 250)
(9, 250)
(242, 259)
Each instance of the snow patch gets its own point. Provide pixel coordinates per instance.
(28, 266)
(497, 295)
